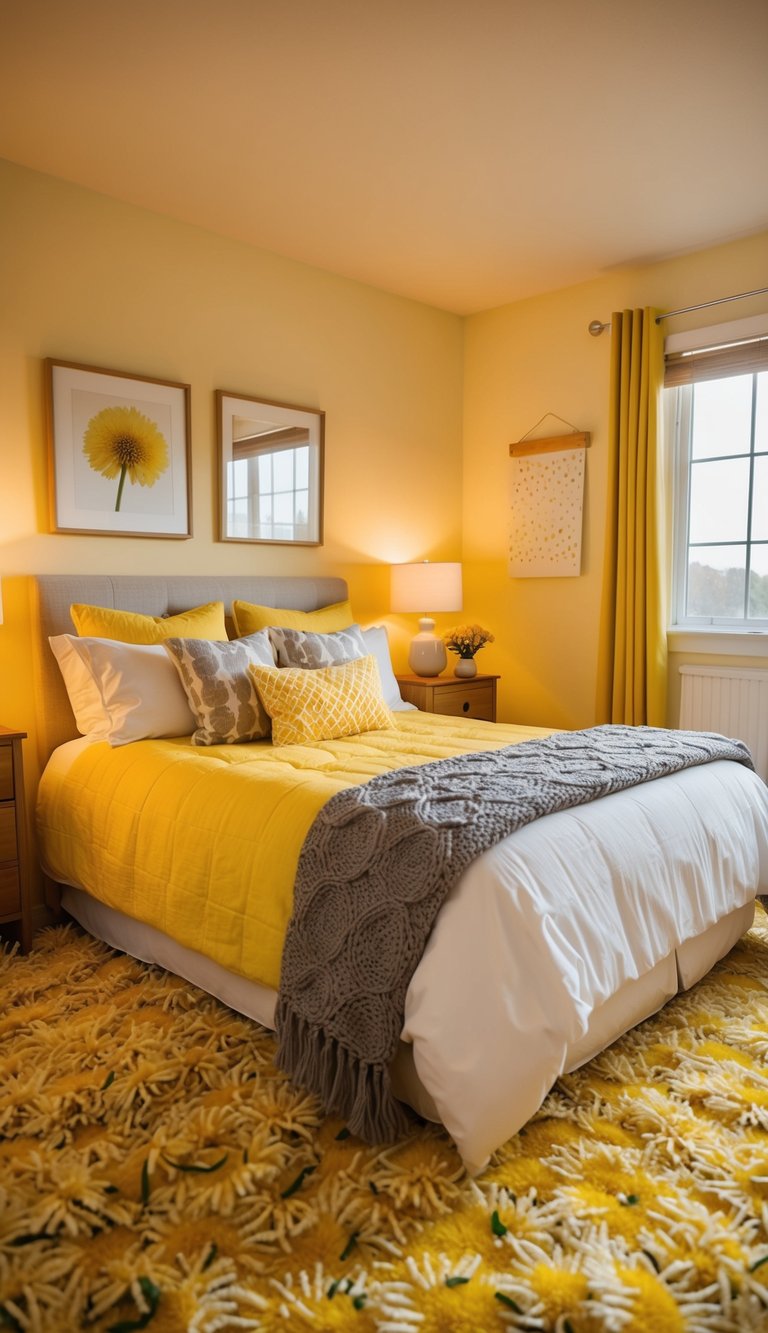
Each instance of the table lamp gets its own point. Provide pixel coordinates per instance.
(426, 587)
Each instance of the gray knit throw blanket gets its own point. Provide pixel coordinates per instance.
(379, 861)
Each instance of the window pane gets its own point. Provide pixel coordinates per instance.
(716, 577)
(760, 500)
(284, 508)
(719, 494)
(758, 583)
(722, 417)
(237, 524)
(302, 468)
(265, 472)
(761, 415)
(265, 509)
(238, 478)
(301, 508)
(283, 469)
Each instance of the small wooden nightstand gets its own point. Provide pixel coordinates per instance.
(14, 876)
(452, 696)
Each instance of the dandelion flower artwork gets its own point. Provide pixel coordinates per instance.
(122, 440)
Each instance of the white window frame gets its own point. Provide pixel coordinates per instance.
(737, 636)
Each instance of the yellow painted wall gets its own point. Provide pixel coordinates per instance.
(536, 357)
(86, 279)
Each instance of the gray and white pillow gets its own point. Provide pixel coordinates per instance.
(310, 651)
(219, 689)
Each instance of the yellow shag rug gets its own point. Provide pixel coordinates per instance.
(157, 1172)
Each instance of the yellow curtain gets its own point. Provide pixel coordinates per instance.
(632, 677)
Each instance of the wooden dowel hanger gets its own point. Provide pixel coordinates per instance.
(550, 444)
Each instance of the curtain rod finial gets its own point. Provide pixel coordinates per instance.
(596, 328)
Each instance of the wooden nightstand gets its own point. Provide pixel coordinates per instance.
(14, 876)
(452, 696)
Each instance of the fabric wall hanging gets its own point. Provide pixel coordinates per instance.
(546, 506)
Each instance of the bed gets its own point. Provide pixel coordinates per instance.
(553, 943)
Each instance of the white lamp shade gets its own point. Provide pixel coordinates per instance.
(426, 587)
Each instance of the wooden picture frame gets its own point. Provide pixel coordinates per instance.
(119, 452)
(271, 459)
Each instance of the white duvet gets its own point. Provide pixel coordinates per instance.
(543, 930)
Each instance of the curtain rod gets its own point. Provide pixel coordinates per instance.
(596, 327)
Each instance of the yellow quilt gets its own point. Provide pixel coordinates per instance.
(203, 842)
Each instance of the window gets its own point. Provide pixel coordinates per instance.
(268, 493)
(718, 399)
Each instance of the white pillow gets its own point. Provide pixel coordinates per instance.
(376, 642)
(84, 696)
(122, 692)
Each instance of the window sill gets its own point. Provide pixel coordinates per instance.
(726, 642)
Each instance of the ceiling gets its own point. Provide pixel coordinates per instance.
(466, 153)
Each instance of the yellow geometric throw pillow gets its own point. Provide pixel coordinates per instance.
(324, 704)
(249, 618)
(102, 622)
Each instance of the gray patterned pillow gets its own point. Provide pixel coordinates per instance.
(219, 689)
(305, 648)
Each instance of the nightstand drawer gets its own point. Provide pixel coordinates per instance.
(465, 700)
(6, 773)
(10, 891)
(8, 849)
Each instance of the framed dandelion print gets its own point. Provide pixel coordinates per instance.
(119, 452)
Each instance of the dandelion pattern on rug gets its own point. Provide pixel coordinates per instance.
(158, 1172)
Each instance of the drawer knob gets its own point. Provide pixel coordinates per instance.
(465, 706)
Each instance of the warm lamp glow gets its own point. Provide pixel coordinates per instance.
(426, 587)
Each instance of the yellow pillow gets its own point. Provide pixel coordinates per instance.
(249, 618)
(324, 704)
(102, 622)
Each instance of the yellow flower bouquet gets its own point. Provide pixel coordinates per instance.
(466, 640)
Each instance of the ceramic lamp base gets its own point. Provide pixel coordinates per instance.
(427, 656)
(465, 667)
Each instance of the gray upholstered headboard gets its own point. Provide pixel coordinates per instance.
(155, 596)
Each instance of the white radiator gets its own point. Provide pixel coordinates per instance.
(731, 700)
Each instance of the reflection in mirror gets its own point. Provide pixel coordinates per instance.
(271, 459)
(268, 482)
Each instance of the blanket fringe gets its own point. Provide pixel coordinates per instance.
(358, 1091)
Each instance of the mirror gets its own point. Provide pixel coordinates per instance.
(270, 471)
